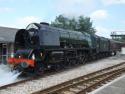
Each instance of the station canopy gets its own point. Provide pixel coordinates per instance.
(7, 35)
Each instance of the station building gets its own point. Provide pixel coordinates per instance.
(7, 37)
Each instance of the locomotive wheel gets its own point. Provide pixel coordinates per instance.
(82, 59)
(57, 67)
(94, 57)
(39, 70)
(69, 62)
(74, 62)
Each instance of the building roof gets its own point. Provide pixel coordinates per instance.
(7, 34)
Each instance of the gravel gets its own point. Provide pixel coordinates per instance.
(45, 82)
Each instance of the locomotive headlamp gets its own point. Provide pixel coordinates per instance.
(41, 54)
(33, 57)
(12, 55)
(24, 65)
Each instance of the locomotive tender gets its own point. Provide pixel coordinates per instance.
(41, 47)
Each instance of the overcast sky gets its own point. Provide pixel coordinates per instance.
(107, 15)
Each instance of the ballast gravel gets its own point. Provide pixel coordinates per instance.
(45, 82)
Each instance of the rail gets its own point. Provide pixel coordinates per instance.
(86, 83)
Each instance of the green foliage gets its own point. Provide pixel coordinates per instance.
(82, 24)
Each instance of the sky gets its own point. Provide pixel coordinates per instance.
(107, 15)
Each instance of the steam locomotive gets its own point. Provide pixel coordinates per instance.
(40, 47)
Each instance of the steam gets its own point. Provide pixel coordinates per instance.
(6, 76)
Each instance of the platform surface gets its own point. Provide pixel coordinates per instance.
(115, 87)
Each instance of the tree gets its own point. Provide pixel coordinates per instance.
(82, 24)
(61, 22)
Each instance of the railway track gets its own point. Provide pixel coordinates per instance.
(27, 79)
(48, 73)
(64, 85)
(86, 83)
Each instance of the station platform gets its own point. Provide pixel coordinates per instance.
(117, 86)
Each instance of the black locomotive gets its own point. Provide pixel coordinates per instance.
(40, 47)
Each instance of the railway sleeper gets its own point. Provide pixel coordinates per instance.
(75, 89)
(90, 83)
(81, 87)
(102, 81)
(66, 92)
